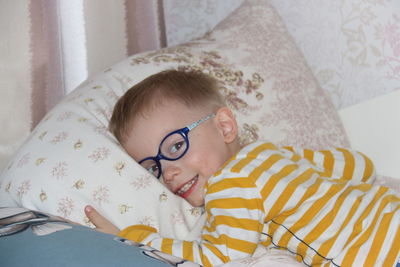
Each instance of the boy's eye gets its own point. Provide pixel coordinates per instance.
(153, 169)
(176, 147)
(151, 166)
(173, 146)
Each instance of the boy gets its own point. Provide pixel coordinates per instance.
(315, 204)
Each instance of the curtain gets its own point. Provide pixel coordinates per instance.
(48, 47)
(71, 40)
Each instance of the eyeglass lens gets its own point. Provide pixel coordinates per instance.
(173, 147)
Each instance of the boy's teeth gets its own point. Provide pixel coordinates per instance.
(186, 186)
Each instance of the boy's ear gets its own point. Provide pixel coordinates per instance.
(227, 124)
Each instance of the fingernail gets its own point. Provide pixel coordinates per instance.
(89, 208)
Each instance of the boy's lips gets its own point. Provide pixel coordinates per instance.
(187, 188)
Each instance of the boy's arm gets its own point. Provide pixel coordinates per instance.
(339, 163)
(217, 244)
(230, 233)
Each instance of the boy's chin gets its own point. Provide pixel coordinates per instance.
(196, 203)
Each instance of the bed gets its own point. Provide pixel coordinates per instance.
(282, 85)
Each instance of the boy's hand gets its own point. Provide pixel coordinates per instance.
(101, 223)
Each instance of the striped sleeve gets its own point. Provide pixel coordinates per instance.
(339, 163)
(232, 230)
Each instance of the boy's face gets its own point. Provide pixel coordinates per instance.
(212, 143)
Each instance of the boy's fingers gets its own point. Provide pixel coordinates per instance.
(101, 223)
(95, 217)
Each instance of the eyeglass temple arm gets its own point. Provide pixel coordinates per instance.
(195, 124)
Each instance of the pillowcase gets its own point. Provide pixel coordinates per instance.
(71, 159)
(352, 46)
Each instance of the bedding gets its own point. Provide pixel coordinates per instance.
(351, 46)
(71, 159)
(379, 117)
(31, 238)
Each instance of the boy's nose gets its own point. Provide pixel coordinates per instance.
(170, 171)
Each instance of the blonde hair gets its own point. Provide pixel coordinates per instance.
(193, 88)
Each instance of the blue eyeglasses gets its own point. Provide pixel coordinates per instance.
(173, 147)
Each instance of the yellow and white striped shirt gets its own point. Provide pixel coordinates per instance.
(316, 204)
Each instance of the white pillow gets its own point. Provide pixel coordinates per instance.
(71, 160)
(379, 117)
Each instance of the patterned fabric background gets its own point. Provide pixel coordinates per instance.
(71, 160)
(352, 46)
(49, 47)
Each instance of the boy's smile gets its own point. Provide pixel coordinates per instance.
(187, 188)
(209, 147)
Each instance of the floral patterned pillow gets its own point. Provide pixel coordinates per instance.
(71, 159)
(352, 46)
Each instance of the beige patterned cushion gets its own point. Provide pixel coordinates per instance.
(71, 159)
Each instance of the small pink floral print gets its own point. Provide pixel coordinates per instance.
(103, 112)
(60, 170)
(24, 188)
(24, 160)
(64, 116)
(147, 220)
(392, 47)
(112, 95)
(65, 206)
(177, 217)
(100, 129)
(142, 181)
(248, 261)
(101, 195)
(59, 138)
(100, 153)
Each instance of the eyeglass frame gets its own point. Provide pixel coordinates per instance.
(184, 132)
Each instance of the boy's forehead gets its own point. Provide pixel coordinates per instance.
(163, 118)
(169, 110)
(148, 128)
